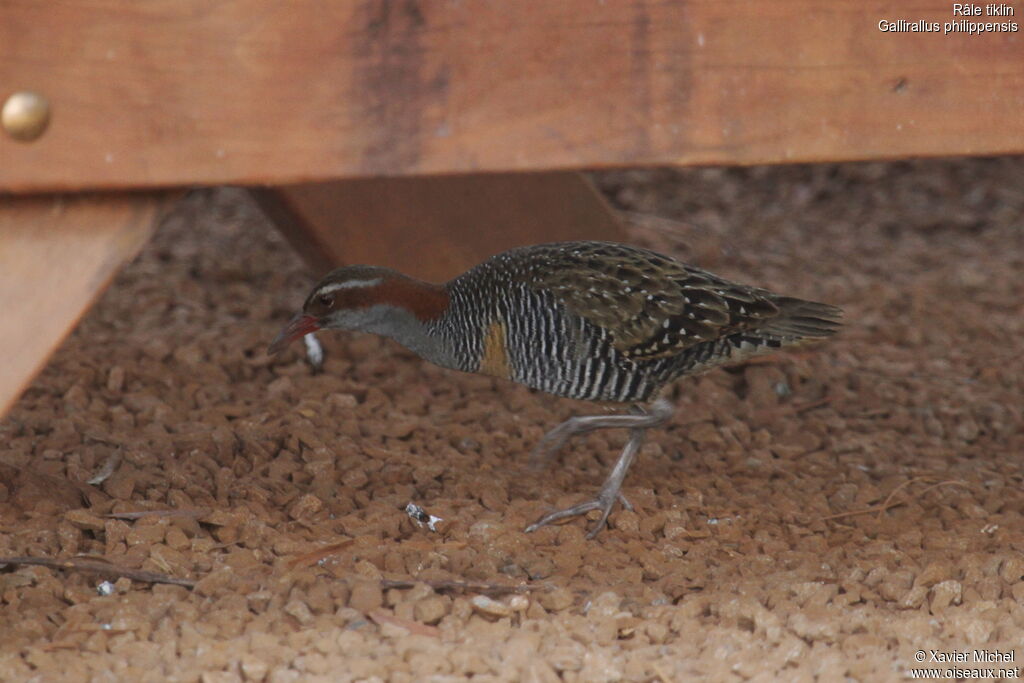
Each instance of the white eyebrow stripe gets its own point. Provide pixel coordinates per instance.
(349, 284)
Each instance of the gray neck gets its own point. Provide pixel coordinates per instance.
(410, 332)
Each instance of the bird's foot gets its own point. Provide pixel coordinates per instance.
(603, 503)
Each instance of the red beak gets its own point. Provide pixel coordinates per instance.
(297, 327)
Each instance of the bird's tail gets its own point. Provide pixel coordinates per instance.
(800, 319)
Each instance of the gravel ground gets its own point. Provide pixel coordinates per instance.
(816, 515)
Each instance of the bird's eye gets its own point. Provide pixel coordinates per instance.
(326, 300)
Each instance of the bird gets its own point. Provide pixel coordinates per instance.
(597, 321)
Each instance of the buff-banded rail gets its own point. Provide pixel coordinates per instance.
(597, 321)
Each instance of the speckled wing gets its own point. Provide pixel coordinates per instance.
(651, 306)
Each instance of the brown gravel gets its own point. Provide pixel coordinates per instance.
(819, 515)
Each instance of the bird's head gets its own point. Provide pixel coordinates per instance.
(362, 298)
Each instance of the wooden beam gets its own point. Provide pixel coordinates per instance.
(171, 92)
(57, 254)
(436, 227)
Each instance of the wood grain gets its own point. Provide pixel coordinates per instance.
(436, 227)
(57, 254)
(169, 92)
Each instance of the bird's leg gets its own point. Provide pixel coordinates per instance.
(610, 491)
(660, 411)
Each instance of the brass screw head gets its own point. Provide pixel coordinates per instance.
(25, 115)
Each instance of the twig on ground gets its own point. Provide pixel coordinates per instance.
(98, 567)
(949, 482)
(194, 514)
(889, 503)
(460, 586)
(314, 556)
(102, 439)
(886, 504)
(788, 409)
(812, 405)
(382, 617)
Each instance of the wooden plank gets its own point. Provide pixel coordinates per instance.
(57, 254)
(436, 227)
(168, 92)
